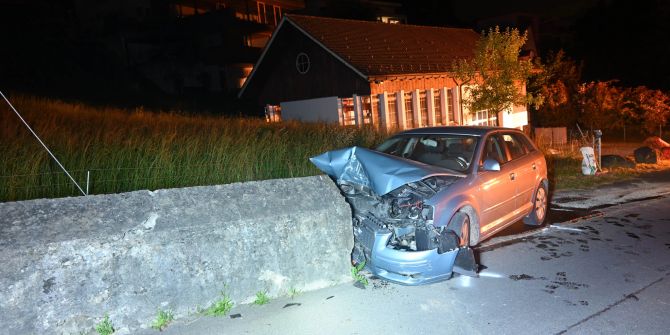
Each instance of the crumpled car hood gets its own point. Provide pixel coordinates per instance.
(380, 172)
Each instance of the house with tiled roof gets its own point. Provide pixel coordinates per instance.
(360, 72)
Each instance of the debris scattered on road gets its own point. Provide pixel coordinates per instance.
(524, 276)
(235, 316)
(292, 304)
(566, 228)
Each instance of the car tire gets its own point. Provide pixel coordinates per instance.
(538, 214)
(474, 224)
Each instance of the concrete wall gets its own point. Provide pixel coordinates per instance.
(311, 110)
(66, 262)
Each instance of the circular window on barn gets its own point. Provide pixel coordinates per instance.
(302, 63)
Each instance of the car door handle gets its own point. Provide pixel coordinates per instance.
(534, 166)
(512, 176)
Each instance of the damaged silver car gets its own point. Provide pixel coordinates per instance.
(424, 197)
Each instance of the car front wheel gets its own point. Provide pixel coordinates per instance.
(540, 207)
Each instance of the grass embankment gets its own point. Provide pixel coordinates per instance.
(128, 150)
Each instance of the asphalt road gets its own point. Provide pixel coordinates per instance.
(606, 275)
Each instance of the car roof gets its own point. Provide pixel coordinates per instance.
(460, 130)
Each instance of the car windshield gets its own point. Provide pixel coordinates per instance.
(453, 152)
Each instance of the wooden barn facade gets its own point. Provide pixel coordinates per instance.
(359, 72)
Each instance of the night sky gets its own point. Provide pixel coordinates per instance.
(44, 53)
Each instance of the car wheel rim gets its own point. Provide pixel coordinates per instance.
(540, 203)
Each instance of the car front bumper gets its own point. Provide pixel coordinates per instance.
(400, 266)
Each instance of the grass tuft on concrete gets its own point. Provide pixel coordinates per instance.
(261, 298)
(105, 326)
(221, 307)
(163, 319)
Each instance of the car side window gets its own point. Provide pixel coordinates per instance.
(516, 147)
(527, 143)
(493, 149)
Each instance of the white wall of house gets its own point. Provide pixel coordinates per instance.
(312, 110)
(348, 111)
(514, 119)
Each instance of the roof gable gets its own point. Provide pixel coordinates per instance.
(376, 48)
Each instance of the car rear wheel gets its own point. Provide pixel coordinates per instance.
(540, 207)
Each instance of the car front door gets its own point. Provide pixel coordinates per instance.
(497, 189)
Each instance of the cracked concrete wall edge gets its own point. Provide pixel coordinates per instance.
(67, 262)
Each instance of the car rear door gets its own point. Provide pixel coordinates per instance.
(523, 169)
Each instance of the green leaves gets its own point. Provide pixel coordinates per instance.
(355, 273)
(495, 76)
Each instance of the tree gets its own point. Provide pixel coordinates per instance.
(558, 83)
(652, 107)
(599, 105)
(496, 73)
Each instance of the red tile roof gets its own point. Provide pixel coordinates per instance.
(377, 49)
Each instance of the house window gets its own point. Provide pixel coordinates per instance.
(366, 109)
(450, 106)
(423, 106)
(302, 63)
(438, 108)
(262, 12)
(392, 112)
(277, 14)
(481, 118)
(347, 109)
(409, 111)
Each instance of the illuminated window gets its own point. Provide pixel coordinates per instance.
(302, 63)
(423, 107)
(347, 110)
(262, 12)
(277, 13)
(450, 106)
(392, 112)
(409, 111)
(437, 103)
(481, 118)
(366, 109)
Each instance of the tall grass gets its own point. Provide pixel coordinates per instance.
(128, 150)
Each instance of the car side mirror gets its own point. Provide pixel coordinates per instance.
(491, 164)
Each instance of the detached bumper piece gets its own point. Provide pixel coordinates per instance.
(408, 267)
